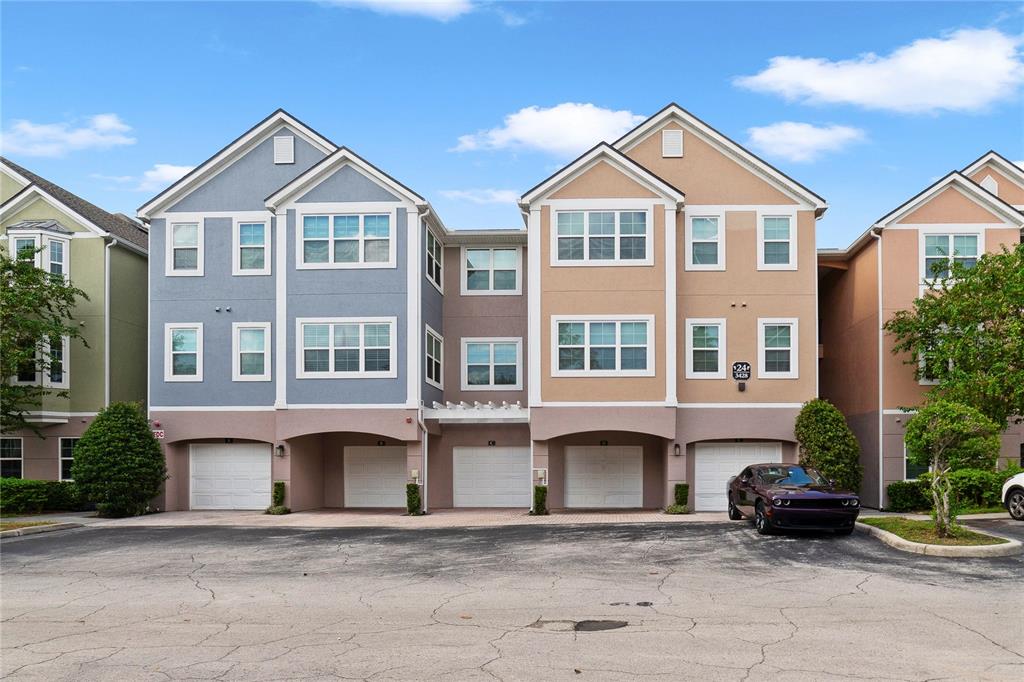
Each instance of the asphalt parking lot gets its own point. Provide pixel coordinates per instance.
(709, 601)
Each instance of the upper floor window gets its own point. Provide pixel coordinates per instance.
(66, 454)
(10, 457)
(492, 364)
(250, 351)
(942, 250)
(183, 351)
(58, 370)
(491, 271)
(58, 257)
(346, 348)
(346, 241)
(777, 348)
(705, 241)
(435, 357)
(25, 247)
(435, 257)
(184, 248)
(251, 248)
(600, 237)
(603, 346)
(52, 256)
(705, 356)
(776, 242)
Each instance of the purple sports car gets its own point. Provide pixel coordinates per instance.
(788, 496)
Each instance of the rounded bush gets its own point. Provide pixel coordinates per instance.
(118, 463)
(828, 445)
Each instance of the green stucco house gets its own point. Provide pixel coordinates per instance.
(105, 255)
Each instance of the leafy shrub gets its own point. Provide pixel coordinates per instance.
(828, 445)
(118, 463)
(278, 510)
(968, 488)
(677, 509)
(909, 496)
(682, 494)
(63, 496)
(24, 496)
(413, 499)
(540, 500)
(277, 496)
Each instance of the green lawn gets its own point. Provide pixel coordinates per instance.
(12, 525)
(924, 531)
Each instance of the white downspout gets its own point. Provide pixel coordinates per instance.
(881, 391)
(426, 456)
(106, 323)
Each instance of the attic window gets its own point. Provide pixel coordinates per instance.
(671, 143)
(990, 184)
(284, 149)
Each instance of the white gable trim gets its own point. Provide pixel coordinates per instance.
(737, 153)
(327, 167)
(34, 193)
(967, 188)
(1003, 166)
(14, 175)
(603, 153)
(224, 158)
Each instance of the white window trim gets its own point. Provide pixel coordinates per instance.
(21, 448)
(782, 212)
(464, 273)
(301, 373)
(61, 457)
(649, 372)
(794, 350)
(951, 230)
(428, 332)
(427, 255)
(183, 219)
(692, 322)
(604, 206)
(36, 238)
(168, 365)
(682, 143)
(236, 348)
(236, 247)
(66, 263)
(688, 240)
(362, 210)
(65, 362)
(517, 340)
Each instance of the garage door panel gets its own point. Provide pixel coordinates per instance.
(716, 463)
(375, 476)
(230, 475)
(491, 477)
(604, 477)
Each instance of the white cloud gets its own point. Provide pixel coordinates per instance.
(966, 70)
(801, 142)
(482, 196)
(102, 131)
(441, 10)
(565, 129)
(161, 175)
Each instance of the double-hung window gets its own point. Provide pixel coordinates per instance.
(705, 241)
(251, 248)
(706, 350)
(776, 242)
(435, 258)
(57, 251)
(596, 237)
(57, 373)
(942, 250)
(603, 346)
(349, 240)
(66, 453)
(491, 271)
(434, 361)
(25, 247)
(184, 248)
(250, 351)
(183, 351)
(10, 457)
(492, 364)
(777, 346)
(47, 252)
(346, 348)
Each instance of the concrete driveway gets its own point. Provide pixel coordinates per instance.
(707, 601)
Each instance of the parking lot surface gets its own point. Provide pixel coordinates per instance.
(707, 601)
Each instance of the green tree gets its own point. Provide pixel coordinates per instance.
(118, 463)
(828, 445)
(35, 308)
(945, 435)
(967, 333)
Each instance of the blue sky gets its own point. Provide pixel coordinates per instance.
(473, 103)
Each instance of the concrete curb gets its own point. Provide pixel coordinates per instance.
(1009, 548)
(34, 530)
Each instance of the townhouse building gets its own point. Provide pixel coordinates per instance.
(104, 254)
(313, 321)
(961, 216)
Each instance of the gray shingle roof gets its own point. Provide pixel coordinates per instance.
(117, 224)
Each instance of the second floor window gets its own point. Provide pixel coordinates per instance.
(705, 357)
(491, 364)
(777, 349)
(251, 350)
(252, 241)
(347, 348)
(185, 249)
(491, 271)
(603, 347)
(183, 348)
(599, 236)
(434, 358)
(435, 257)
(346, 240)
(58, 372)
(942, 250)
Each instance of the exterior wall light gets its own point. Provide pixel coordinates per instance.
(279, 450)
(676, 450)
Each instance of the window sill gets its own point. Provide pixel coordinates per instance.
(510, 388)
(348, 375)
(491, 292)
(345, 266)
(183, 273)
(638, 263)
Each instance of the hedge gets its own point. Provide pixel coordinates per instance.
(27, 496)
(413, 499)
(970, 488)
(540, 500)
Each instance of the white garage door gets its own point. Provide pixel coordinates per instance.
(375, 476)
(491, 477)
(716, 463)
(604, 477)
(229, 476)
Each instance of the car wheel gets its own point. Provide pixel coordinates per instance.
(1015, 504)
(734, 513)
(844, 531)
(761, 521)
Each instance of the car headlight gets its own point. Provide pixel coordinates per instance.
(786, 502)
(777, 501)
(846, 503)
(854, 502)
